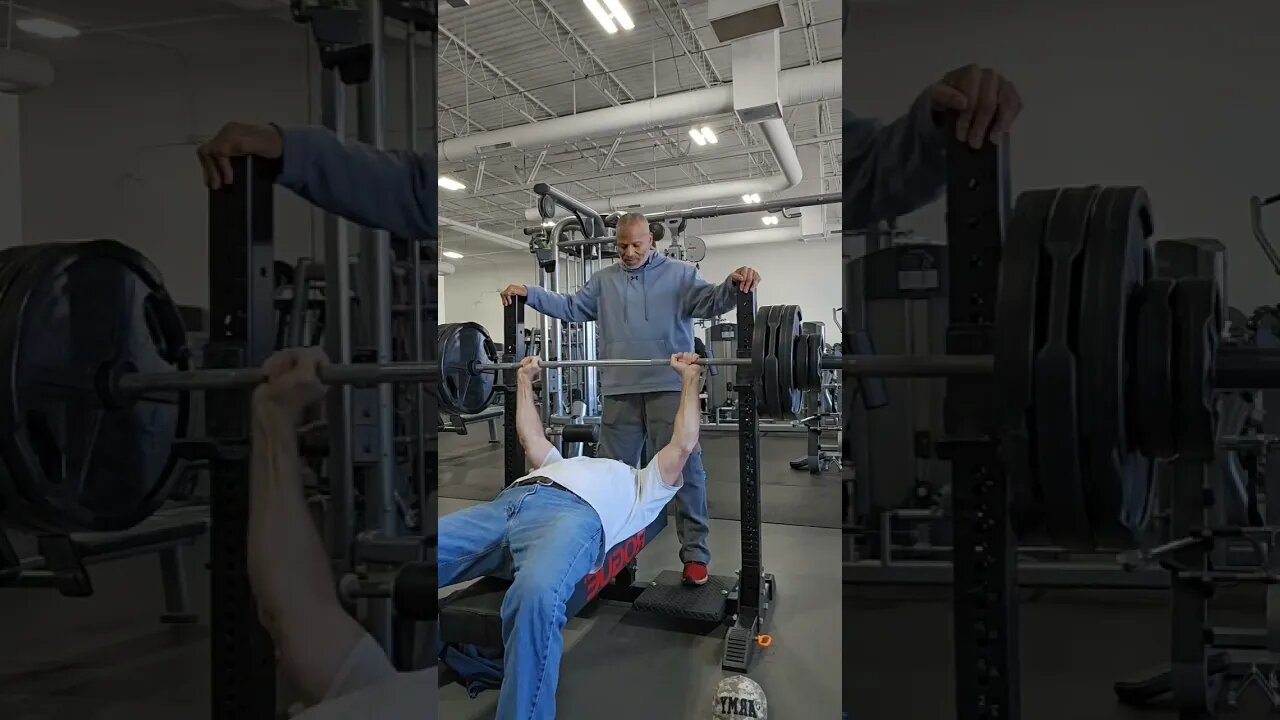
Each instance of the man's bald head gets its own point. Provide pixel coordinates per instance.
(635, 242)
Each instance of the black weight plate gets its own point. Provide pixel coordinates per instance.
(801, 357)
(772, 403)
(462, 346)
(1057, 419)
(785, 341)
(814, 362)
(759, 351)
(1154, 381)
(815, 349)
(1018, 329)
(1117, 262)
(76, 462)
(806, 366)
(1197, 318)
(12, 262)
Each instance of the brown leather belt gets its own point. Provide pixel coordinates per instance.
(540, 480)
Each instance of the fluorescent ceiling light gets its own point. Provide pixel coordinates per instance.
(709, 136)
(548, 223)
(619, 13)
(752, 198)
(769, 220)
(449, 183)
(601, 16)
(453, 255)
(697, 136)
(46, 28)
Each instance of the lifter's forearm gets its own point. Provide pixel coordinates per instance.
(287, 558)
(689, 416)
(528, 422)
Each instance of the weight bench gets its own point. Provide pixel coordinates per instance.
(62, 559)
(458, 423)
(472, 615)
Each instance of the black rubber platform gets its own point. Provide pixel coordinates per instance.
(670, 597)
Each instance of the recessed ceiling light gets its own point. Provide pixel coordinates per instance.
(602, 16)
(46, 28)
(620, 14)
(449, 183)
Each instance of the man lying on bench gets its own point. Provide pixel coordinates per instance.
(551, 528)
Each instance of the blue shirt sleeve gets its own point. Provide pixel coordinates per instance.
(582, 306)
(702, 300)
(390, 190)
(891, 170)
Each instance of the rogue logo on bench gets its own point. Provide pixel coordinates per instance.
(621, 556)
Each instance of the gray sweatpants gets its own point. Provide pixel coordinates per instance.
(632, 429)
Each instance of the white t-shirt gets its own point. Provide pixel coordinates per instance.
(367, 687)
(626, 499)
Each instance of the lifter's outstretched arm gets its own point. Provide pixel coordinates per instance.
(288, 565)
(533, 438)
(684, 438)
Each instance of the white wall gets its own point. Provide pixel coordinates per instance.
(1179, 97)
(804, 274)
(109, 151)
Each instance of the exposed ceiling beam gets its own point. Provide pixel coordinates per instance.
(586, 63)
(483, 234)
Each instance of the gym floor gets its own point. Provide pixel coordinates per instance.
(106, 657)
(628, 665)
(898, 652)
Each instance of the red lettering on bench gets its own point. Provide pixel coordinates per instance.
(619, 558)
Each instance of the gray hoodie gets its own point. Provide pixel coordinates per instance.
(643, 313)
(891, 170)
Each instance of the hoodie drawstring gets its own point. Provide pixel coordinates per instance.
(644, 285)
(644, 288)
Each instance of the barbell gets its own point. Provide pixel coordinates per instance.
(1097, 368)
(95, 395)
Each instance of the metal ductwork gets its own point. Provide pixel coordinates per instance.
(493, 237)
(801, 85)
(776, 137)
(760, 103)
(789, 233)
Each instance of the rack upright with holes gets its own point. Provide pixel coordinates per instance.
(985, 601)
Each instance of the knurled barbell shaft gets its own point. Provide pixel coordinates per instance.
(1235, 368)
(369, 374)
(358, 375)
(916, 365)
(656, 362)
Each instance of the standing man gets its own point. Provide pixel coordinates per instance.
(644, 307)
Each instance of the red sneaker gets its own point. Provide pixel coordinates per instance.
(695, 573)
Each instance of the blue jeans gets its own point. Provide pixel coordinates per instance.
(547, 540)
(633, 428)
